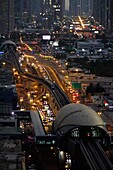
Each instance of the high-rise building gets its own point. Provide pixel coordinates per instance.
(111, 16)
(73, 11)
(103, 12)
(18, 12)
(46, 14)
(80, 7)
(57, 8)
(27, 11)
(63, 8)
(39, 10)
(6, 16)
(86, 7)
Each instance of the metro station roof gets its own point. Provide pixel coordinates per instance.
(76, 115)
(7, 43)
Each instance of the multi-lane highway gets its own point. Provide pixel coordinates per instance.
(59, 99)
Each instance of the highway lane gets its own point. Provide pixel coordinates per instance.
(44, 69)
(106, 115)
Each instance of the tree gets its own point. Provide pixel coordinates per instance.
(99, 88)
(90, 89)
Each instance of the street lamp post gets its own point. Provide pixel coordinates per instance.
(76, 73)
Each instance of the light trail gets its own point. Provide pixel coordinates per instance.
(81, 21)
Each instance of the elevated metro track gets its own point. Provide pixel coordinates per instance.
(90, 152)
(95, 155)
(58, 93)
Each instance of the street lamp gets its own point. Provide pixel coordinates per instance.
(4, 63)
(76, 70)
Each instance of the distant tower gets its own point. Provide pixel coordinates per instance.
(86, 7)
(6, 16)
(45, 14)
(80, 7)
(18, 11)
(73, 8)
(57, 6)
(102, 11)
(63, 8)
(111, 16)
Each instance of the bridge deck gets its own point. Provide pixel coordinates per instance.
(38, 126)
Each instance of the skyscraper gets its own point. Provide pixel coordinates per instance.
(6, 16)
(18, 11)
(63, 8)
(111, 16)
(57, 7)
(85, 7)
(39, 9)
(103, 13)
(27, 11)
(73, 7)
(80, 7)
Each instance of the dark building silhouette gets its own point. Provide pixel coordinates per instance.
(6, 16)
(103, 12)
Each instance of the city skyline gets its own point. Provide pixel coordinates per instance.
(18, 14)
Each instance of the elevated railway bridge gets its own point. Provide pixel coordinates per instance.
(77, 131)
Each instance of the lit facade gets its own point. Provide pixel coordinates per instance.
(57, 8)
(27, 11)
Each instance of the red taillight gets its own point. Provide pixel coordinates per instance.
(77, 94)
(105, 103)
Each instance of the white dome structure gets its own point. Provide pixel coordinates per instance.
(76, 115)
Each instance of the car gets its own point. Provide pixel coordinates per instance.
(109, 106)
(108, 103)
(98, 100)
(53, 86)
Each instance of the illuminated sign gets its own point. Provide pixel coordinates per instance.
(46, 37)
(46, 140)
(1, 52)
(82, 132)
(76, 85)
